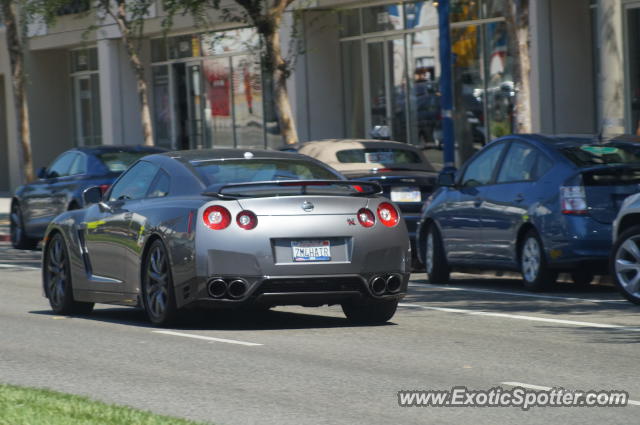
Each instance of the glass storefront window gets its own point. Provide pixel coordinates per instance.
(181, 47)
(465, 10)
(468, 89)
(158, 50)
(633, 43)
(352, 89)
(162, 105)
(420, 14)
(218, 109)
(494, 8)
(233, 41)
(382, 18)
(247, 101)
(349, 22)
(86, 108)
(84, 60)
(424, 88)
(500, 92)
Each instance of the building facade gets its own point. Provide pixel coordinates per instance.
(361, 65)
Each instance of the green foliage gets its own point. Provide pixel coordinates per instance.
(27, 406)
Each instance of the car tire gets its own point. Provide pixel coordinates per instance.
(158, 296)
(435, 261)
(536, 273)
(370, 312)
(19, 238)
(582, 278)
(57, 279)
(625, 264)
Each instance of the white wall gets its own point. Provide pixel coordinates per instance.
(320, 108)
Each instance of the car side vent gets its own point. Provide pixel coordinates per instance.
(186, 292)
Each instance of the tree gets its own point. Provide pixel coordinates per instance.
(129, 16)
(266, 16)
(516, 13)
(15, 45)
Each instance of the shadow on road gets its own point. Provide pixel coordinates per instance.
(563, 299)
(239, 320)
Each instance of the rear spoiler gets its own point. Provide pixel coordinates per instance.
(226, 191)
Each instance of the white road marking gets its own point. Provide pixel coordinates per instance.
(542, 388)
(517, 294)
(15, 266)
(208, 338)
(522, 317)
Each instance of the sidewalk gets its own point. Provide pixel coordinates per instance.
(5, 205)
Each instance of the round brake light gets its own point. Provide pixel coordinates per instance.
(247, 220)
(388, 214)
(217, 217)
(366, 217)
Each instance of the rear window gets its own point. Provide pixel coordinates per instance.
(379, 156)
(117, 162)
(259, 170)
(613, 154)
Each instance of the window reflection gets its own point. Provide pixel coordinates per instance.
(468, 89)
(382, 18)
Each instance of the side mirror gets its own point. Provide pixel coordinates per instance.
(447, 178)
(92, 195)
(42, 173)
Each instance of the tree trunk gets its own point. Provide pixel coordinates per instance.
(280, 72)
(143, 92)
(517, 19)
(16, 58)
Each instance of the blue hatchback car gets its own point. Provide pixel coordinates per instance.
(529, 203)
(59, 187)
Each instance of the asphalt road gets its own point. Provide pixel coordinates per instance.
(310, 366)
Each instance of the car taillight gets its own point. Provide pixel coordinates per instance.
(216, 217)
(388, 214)
(247, 220)
(366, 217)
(573, 200)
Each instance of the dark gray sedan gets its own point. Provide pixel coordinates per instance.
(59, 187)
(229, 228)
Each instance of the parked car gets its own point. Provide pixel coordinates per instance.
(530, 203)
(405, 174)
(229, 228)
(625, 255)
(59, 187)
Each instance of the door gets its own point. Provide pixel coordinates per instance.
(511, 200)
(462, 220)
(108, 233)
(387, 88)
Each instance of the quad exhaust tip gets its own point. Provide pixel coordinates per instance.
(385, 284)
(237, 289)
(217, 288)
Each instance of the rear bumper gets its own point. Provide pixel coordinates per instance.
(588, 245)
(288, 290)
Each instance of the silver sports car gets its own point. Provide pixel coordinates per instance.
(229, 228)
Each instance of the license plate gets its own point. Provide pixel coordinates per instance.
(406, 194)
(311, 250)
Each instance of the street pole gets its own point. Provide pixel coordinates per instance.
(446, 87)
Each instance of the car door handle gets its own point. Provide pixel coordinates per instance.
(519, 197)
(477, 202)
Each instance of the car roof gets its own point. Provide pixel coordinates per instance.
(97, 150)
(198, 155)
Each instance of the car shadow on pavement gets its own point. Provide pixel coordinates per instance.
(506, 295)
(239, 320)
